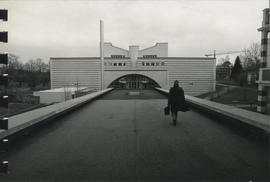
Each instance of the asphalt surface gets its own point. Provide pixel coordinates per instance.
(131, 140)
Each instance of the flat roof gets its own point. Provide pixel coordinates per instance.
(129, 58)
(67, 89)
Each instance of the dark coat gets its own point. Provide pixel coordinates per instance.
(176, 99)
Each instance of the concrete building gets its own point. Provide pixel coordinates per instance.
(264, 74)
(57, 94)
(135, 69)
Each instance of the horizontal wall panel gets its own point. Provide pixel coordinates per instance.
(69, 72)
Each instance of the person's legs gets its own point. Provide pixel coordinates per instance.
(174, 116)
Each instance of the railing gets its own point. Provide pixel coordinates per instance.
(256, 120)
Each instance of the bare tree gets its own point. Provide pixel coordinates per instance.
(36, 65)
(222, 60)
(14, 63)
(251, 57)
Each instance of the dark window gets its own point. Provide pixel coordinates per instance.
(119, 64)
(117, 56)
(152, 64)
(114, 64)
(149, 56)
(147, 64)
(143, 63)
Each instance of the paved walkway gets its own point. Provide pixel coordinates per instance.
(132, 140)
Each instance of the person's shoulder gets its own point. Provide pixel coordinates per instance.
(181, 89)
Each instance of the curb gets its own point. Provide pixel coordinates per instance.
(29, 126)
(239, 117)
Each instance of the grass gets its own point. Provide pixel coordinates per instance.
(239, 95)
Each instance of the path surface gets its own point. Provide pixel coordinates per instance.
(131, 140)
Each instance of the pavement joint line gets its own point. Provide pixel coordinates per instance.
(25, 121)
(254, 119)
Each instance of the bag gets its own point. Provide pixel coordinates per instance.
(185, 108)
(166, 110)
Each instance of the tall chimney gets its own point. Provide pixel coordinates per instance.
(101, 55)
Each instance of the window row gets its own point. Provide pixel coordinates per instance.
(114, 64)
(118, 56)
(153, 63)
(150, 56)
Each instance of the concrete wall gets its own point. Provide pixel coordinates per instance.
(196, 75)
(109, 50)
(160, 49)
(66, 72)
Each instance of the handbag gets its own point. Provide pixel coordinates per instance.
(166, 110)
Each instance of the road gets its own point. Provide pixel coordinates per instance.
(119, 137)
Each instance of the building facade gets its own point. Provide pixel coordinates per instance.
(264, 74)
(135, 69)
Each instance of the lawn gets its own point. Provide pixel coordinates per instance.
(238, 95)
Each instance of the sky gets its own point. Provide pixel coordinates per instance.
(47, 28)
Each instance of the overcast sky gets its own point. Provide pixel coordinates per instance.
(46, 28)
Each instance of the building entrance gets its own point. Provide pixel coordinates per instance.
(134, 81)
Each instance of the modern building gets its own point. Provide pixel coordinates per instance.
(264, 74)
(60, 94)
(135, 69)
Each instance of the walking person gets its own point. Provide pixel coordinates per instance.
(176, 100)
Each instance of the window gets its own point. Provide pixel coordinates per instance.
(147, 64)
(143, 63)
(119, 64)
(114, 64)
(150, 56)
(157, 63)
(152, 64)
(162, 64)
(124, 64)
(117, 56)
